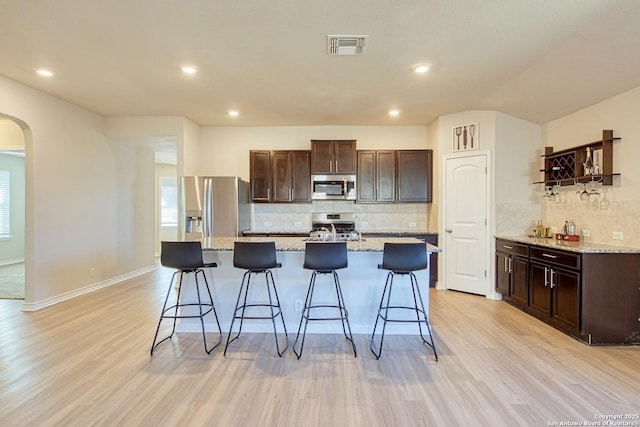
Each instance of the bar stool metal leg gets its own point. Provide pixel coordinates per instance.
(343, 314)
(201, 313)
(386, 292)
(416, 290)
(274, 306)
(306, 314)
(383, 313)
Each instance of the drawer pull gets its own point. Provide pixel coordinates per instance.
(507, 247)
(550, 256)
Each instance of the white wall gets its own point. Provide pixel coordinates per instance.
(224, 151)
(163, 233)
(75, 208)
(619, 113)
(11, 137)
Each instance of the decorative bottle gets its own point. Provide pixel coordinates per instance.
(588, 163)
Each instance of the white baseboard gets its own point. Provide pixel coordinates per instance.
(33, 306)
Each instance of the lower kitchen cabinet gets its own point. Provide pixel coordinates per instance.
(555, 295)
(593, 296)
(512, 273)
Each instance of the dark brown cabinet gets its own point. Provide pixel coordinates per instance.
(333, 157)
(291, 176)
(414, 172)
(512, 272)
(593, 296)
(280, 176)
(387, 176)
(555, 296)
(260, 176)
(376, 176)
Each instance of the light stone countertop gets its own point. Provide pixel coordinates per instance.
(580, 247)
(363, 231)
(368, 244)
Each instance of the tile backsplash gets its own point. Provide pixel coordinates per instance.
(600, 219)
(285, 216)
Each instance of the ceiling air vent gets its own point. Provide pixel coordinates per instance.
(346, 45)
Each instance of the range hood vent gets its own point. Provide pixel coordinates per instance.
(346, 45)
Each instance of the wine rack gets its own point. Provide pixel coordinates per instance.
(565, 167)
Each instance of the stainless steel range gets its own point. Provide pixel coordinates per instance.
(333, 226)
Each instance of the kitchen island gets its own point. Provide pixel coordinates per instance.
(362, 283)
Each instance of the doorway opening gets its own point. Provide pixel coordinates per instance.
(12, 210)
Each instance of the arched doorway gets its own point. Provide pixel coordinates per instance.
(12, 209)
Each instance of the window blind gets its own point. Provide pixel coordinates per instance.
(4, 203)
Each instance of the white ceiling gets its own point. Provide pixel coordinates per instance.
(534, 59)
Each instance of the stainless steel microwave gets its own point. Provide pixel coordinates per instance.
(333, 187)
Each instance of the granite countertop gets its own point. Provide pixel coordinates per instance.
(369, 244)
(364, 231)
(276, 231)
(581, 246)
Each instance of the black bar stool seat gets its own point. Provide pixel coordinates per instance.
(324, 258)
(257, 258)
(402, 259)
(186, 258)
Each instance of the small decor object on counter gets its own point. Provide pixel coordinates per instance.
(570, 228)
(568, 237)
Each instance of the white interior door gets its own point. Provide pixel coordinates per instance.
(466, 200)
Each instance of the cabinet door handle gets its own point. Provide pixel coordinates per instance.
(291, 193)
(551, 283)
(546, 276)
(448, 230)
(506, 269)
(550, 256)
(510, 265)
(507, 247)
(268, 194)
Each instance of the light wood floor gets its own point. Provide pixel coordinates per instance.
(86, 362)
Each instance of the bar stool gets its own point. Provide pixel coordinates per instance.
(186, 258)
(324, 258)
(402, 259)
(257, 258)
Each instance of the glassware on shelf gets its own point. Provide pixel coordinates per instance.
(604, 203)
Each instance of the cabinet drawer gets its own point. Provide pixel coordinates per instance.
(512, 248)
(552, 256)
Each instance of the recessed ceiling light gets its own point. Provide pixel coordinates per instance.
(44, 73)
(188, 69)
(233, 113)
(394, 113)
(420, 68)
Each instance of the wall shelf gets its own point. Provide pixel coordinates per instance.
(565, 167)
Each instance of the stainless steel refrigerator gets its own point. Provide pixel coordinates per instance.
(215, 206)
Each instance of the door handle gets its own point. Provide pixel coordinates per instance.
(546, 278)
(510, 265)
(448, 230)
(552, 284)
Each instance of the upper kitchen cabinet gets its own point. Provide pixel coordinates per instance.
(280, 176)
(415, 176)
(260, 176)
(376, 176)
(291, 176)
(333, 157)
